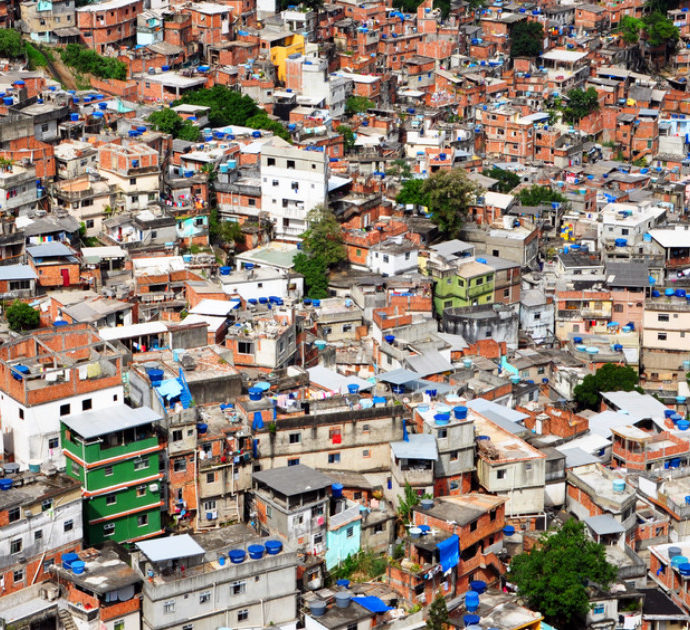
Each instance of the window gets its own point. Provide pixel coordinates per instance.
(479, 281)
(385, 258)
(295, 186)
(318, 538)
(169, 607)
(53, 443)
(141, 464)
(454, 485)
(108, 529)
(205, 597)
(350, 531)
(295, 438)
(662, 317)
(21, 414)
(334, 458)
(177, 435)
(110, 499)
(291, 164)
(242, 615)
(269, 511)
(141, 491)
(210, 504)
(38, 534)
(142, 520)
(270, 161)
(506, 292)
(661, 336)
(47, 564)
(453, 456)
(76, 469)
(598, 609)
(293, 462)
(16, 545)
(473, 526)
(443, 433)
(238, 587)
(188, 626)
(180, 465)
(210, 477)
(13, 514)
(64, 409)
(18, 576)
(86, 404)
(275, 182)
(351, 626)
(366, 453)
(119, 625)
(90, 224)
(378, 528)
(46, 504)
(245, 347)
(68, 525)
(501, 474)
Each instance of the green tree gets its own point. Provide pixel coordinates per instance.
(407, 502)
(412, 192)
(11, 43)
(608, 378)
(357, 105)
(580, 104)
(630, 27)
(169, 121)
(526, 39)
(348, 137)
(552, 578)
(507, 180)
(660, 30)
(450, 194)
(324, 236)
(537, 195)
(262, 121)
(315, 272)
(438, 614)
(20, 316)
(88, 61)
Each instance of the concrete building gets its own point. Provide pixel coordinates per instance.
(492, 321)
(537, 316)
(115, 454)
(42, 384)
(293, 181)
(186, 583)
(292, 503)
(41, 519)
(46, 20)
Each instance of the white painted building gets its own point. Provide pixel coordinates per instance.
(393, 257)
(293, 181)
(262, 283)
(536, 315)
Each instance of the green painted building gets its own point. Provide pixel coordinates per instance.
(459, 283)
(115, 454)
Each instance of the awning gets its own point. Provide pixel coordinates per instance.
(450, 552)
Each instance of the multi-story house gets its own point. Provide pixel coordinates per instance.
(537, 315)
(106, 595)
(218, 579)
(134, 170)
(40, 19)
(40, 519)
(510, 466)
(413, 462)
(115, 453)
(41, 384)
(293, 181)
(109, 24)
(292, 503)
(461, 283)
(665, 345)
(19, 191)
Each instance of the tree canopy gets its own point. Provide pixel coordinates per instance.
(348, 137)
(449, 195)
(660, 30)
(324, 236)
(630, 27)
(507, 180)
(537, 195)
(580, 104)
(438, 614)
(229, 107)
(169, 121)
(553, 576)
(526, 39)
(11, 43)
(89, 61)
(20, 316)
(608, 378)
(315, 272)
(357, 105)
(412, 192)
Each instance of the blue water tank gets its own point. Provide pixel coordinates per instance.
(337, 490)
(479, 586)
(442, 419)
(471, 601)
(508, 530)
(273, 547)
(460, 412)
(256, 552)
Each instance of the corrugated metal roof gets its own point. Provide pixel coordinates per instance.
(333, 381)
(17, 272)
(109, 333)
(170, 548)
(292, 480)
(419, 446)
(91, 424)
(604, 524)
(49, 249)
(431, 362)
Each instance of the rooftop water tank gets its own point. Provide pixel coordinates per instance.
(337, 490)
(256, 552)
(618, 485)
(273, 547)
(442, 419)
(471, 601)
(342, 599)
(460, 412)
(237, 556)
(317, 608)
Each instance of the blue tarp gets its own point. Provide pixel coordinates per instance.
(450, 554)
(372, 604)
(258, 421)
(170, 388)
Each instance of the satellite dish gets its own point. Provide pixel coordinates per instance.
(126, 593)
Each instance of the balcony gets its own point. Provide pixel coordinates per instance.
(482, 289)
(596, 313)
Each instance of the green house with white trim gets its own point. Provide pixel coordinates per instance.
(115, 454)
